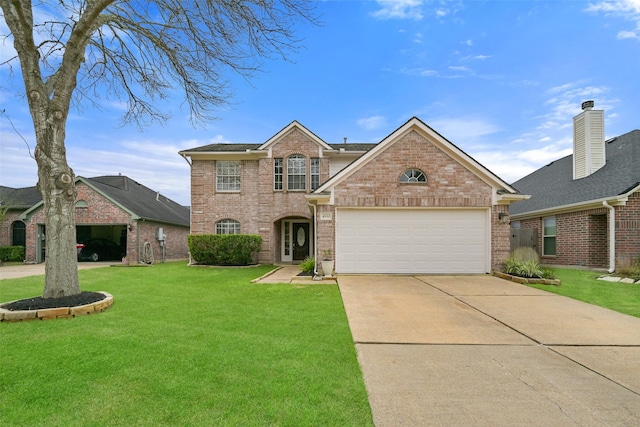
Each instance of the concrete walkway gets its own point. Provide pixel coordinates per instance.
(289, 274)
(482, 351)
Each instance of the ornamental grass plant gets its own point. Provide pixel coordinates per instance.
(184, 346)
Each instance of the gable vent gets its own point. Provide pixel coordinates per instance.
(588, 141)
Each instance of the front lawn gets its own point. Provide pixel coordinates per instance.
(582, 285)
(184, 347)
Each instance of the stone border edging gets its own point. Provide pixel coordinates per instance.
(57, 313)
(526, 280)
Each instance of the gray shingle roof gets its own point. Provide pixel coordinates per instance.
(225, 147)
(19, 198)
(553, 185)
(141, 200)
(220, 148)
(355, 146)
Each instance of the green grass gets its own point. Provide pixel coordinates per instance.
(184, 347)
(582, 285)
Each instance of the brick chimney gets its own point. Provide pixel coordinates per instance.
(588, 141)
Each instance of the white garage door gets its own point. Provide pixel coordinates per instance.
(412, 241)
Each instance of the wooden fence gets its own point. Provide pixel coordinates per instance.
(523, 237)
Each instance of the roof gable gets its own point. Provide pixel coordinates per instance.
(415, 124)
(294, 125)
(553, 186)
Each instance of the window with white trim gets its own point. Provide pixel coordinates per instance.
(227, 226)
(228, 176)
(315, 173)
(278, 174)
(413, 176)
(549, 236)
(296, 173)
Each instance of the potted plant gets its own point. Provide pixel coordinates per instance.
(327, 263)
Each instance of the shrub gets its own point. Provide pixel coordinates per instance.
(548, 274)
(529, 269)
(629, 268)
(224, 249)
(308, 265)
(12, 253)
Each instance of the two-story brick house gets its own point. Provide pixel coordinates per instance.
(412, 203)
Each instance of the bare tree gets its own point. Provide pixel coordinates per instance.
(74, 51)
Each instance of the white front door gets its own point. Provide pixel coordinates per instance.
(296, 240)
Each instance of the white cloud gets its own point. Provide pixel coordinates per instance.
(465, 131)
(622, 35)
(420, 72)
(459, 68)
(399, 9)
(372, 123)
(628, 9)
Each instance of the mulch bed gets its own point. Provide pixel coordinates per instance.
(39, 303)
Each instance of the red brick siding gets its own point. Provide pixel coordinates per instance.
(582, 237)
(628, 230)
(6, 234)
(449, 184)
(257, 207)
(500, 232)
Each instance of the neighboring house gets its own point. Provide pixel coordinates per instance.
(585, 208)
(14, 201)
(142, 221)
(413, 203)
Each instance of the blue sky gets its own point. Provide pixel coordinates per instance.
(500, 79)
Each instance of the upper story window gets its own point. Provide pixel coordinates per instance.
(228, 176)
(296, 173)
(315, 173)
(82, 204)
(227, 226)
(278, 173)
(549, 236)
(413, 176)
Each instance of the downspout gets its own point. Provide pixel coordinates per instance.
(612, 236)
(315, 240)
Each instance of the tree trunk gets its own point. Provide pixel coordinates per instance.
(56, 184)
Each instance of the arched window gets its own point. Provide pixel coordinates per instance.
(227, 226)
(82, 204)
(18, 234)
(413, 176)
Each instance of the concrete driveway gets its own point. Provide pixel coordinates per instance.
(482, 351)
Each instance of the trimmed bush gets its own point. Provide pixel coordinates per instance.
(12, 253)
(224, 249)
